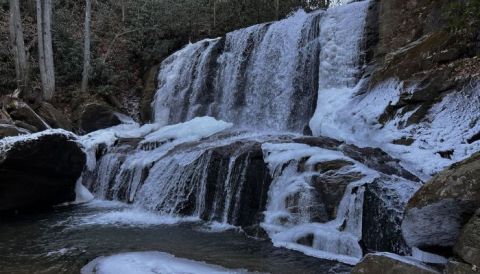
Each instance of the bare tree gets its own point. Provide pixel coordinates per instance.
(277, 9)
(18, 45)
(45, 48)
(86, 45)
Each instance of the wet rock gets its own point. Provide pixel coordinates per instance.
(387, 263)
(329, 190)
(331, 165)
(53, 116)
(97, 116)
(39, 172)
(385, 200)
(437, 212)
(468, 244)
(322, 142)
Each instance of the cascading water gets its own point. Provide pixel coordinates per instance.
(262, 77)
(307, 197)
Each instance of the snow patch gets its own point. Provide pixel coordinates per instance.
(152, 262)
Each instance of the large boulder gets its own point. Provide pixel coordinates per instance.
(468, 245)
(97, 116)
(388, 263)
(437, 212)
(53, 116)
(39, 170)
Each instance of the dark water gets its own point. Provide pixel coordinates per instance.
(67, 238)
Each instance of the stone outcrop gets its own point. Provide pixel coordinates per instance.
(436, 213)
(39, 171)
(387, 263)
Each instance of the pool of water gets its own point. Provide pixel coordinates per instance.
(65, 239)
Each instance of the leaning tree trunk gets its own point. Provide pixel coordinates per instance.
(86, 48)
(18, 46)
(45, 48)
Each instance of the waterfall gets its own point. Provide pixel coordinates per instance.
(261, 77)
(265, 80)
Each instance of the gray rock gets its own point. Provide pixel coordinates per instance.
(437, 212)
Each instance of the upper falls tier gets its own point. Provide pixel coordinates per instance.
(266, 76)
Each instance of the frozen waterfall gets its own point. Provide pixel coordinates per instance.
(304, 194)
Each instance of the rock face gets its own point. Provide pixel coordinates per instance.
(39, 171)
(468, 244)
(97, 116)
(386, 263)
(436, 213)
(385, 200)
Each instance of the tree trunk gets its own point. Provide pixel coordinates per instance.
(277, 9)
(45, 48)
(86, 47)
(18, 46)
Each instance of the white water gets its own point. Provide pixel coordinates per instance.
(263, 78)
(337, 239)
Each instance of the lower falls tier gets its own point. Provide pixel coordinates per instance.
(312, 194)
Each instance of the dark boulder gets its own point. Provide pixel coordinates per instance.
(53, 116)
(39, 171)
(383, 206)
(97, 116)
